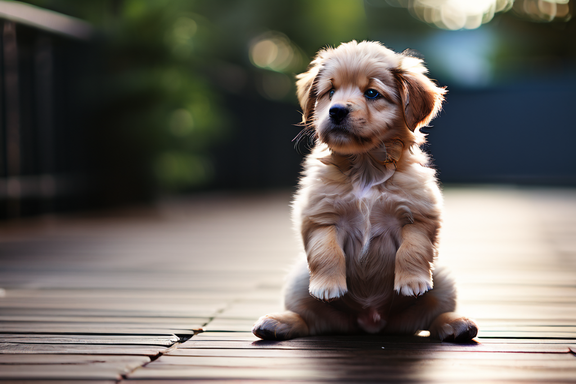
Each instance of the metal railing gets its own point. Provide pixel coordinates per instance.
(39, 162)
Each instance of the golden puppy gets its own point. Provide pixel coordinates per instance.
(368, 206)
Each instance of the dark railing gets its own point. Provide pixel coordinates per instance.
(41, 149)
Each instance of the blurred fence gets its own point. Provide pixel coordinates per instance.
(42, 147)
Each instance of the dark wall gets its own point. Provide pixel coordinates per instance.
(522, 133)
(260, 152)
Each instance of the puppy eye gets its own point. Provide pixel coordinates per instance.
(331, 93)
(371, 94)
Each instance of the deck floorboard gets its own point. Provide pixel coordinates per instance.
(170, 294)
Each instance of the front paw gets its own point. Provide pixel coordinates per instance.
(407, 285)
(327, 289)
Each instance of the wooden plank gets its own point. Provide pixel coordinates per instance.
(119, 280)
(209, 335)
(167, 306)
(99, 371)
(506, 333)
(91, 328)
(89, 339)
(125, 312)
(519, 348)
(191, 322)
(480, 311)
(520, 293)
(176, 372)
(499, 340)
(216, 300)
(318, 353)
(67, 367)
(113, 322)
(16, 348)
(59, 381)
(527, 322)
(252, 310)
(422, 370)
(556, 361)
(72, 359)
(255, 352)
(237, 325)
(370, 342)
(210, 381)
(102, 297)
(381, 365)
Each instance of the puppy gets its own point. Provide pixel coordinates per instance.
(368, 206)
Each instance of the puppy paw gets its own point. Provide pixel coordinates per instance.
(280, 326)
(412, 285)
(327, 289)
(453, 328)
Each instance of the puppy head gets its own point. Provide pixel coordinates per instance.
(360, 95)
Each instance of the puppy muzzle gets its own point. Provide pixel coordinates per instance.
(338, 113)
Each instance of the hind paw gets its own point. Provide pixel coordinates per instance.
(280, 326)
(453, 328)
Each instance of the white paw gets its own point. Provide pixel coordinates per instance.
(327, 290)
(412, 286)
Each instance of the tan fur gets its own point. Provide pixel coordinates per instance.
(326, 262)
(368, 208)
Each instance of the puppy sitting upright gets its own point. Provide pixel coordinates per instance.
(368, 207)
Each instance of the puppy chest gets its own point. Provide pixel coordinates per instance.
(371, 227)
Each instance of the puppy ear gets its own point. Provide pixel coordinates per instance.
(421, 98)
(306, 88)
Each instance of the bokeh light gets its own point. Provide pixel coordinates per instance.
(277, 55)
(181, 122)
(543, 10)
(274, 51)
(180, 36)
(471, 14)
(454, 14)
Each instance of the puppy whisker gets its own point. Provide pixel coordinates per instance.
(306, 136)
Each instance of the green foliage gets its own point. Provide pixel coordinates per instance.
(159, 107)
(169, 66)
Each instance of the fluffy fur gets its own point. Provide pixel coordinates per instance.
(368, 206)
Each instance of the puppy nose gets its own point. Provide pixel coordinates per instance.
(338, 113)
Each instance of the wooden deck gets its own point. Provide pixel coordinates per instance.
(120, 297)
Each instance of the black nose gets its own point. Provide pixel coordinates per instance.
(338, 113)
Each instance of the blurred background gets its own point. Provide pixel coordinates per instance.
(113, 102)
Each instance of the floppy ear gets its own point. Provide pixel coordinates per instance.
(306, 88)
(421, 98)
